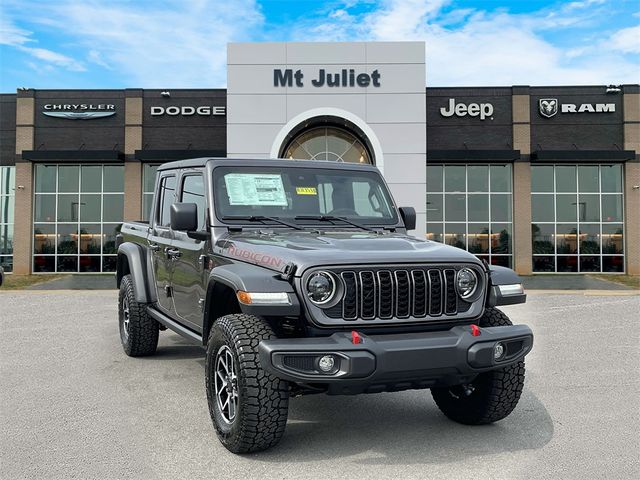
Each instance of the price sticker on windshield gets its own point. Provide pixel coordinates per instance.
(306, 191)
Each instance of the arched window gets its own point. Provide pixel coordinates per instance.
(327, 143)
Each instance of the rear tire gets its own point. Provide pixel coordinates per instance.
(138, 331)
(495, 393)
(248, 405)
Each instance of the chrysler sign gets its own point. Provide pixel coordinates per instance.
(204, 110)
(79, 111)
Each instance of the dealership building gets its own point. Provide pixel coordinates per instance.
(540, 179)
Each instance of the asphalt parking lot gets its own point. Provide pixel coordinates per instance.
(73, 405)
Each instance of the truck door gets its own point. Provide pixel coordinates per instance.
(160, 240)
(191, 269)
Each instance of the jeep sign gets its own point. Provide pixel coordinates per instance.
(483, 110)
(186, 111)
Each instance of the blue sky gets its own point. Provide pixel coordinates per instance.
(182, 43)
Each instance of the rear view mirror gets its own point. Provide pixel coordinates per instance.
(408, 215)
(184, 217)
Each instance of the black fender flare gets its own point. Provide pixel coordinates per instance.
(136, 265)
(503, 276)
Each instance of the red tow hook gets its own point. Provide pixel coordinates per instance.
(355, 337)
(475, 330)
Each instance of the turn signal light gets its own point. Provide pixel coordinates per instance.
(263, 298)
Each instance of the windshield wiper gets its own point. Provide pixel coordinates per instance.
(331, 218)
(262, 218)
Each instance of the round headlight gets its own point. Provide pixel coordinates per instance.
(466, 282)
(321, 287)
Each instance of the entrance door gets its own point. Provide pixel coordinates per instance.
(160, 239)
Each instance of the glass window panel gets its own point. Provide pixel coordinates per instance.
(149, 177)
(109, 233)
(67, 264)
(543, 236)
(589, 264)
(478, 178)
(147, 201)
(113, 210)
(68, 207)
(7, 207)
(167, 197)
(46, 178)
(6, 239)
(7, 264)
(193, 192)
(68, 178)
(501, 260)
(67, 239)
(44, 239)
(434, 232)
(589, 208)
(8, 181)
(478, 208)
(113, 178)
(478, 237)
(544, 264)
(45, 208)
(566, 178)
(612, 208)
(455, 208)
(589, 239)
(91, 178)
(90, 208)
(566, 208)
(542, 179)
(455, 178)
(500, 207)
(501, 238)
(567, 264)
(109, 264)
(612, 264)
(434, 207)
(588, 180)
(611, 178)
(566, 238)
(434, 178)
(89, 264)
(501, 178)
(455, 234)
(90, 239)
(612, 238)
(44, 264)
(542, 208)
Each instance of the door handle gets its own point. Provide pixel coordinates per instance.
(154, 247)
(172, 252)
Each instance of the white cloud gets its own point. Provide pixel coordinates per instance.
(626, 40)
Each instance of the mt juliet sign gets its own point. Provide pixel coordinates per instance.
(344, 78)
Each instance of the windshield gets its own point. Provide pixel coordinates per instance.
(301, 192)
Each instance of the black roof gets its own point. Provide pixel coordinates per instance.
(261, 162)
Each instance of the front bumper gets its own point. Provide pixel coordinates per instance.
(394, 362)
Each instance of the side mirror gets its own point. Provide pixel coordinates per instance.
(408, 215)
(184, 217)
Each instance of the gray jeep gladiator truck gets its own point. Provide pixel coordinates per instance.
(299, 277)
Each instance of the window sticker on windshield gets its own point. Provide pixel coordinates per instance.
(306, 191)
(255, 189)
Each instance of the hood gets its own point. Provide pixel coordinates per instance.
(275, 249)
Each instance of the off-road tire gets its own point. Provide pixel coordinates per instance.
(141, 337)
(495, 393)
(263, 399)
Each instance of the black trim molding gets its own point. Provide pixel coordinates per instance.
(72, 155)
(497, 156)
(153, 156)
(583, 156)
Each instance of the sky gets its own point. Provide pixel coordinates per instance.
(182, 43)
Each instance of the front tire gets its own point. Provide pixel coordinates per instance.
(138, 331)
(247, 404)
(494, 394)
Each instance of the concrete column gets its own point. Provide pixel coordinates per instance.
(23, 212)
(522, 249)
(133, 168)
(632, 182)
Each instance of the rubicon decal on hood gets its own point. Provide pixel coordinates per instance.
(255, 257)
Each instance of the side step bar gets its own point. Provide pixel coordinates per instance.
(173, 325)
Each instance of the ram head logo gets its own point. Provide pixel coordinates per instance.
(548, 107)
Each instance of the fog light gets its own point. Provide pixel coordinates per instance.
(326, 363)
(498, 351)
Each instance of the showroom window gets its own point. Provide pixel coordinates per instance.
(148, 184)
(78, 211)
(577, 218)
(7, 203)
(470, 207)
(327, 143)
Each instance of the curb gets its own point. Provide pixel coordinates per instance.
(586, 293)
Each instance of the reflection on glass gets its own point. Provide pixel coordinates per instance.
(589, 264)
(500, 238)
(566, 178)
(501, 178)
(612, 238)
(44, 239)
(542, 208)
(89, 264)
(434, 232)
(589, 208)
(567, 238)
(6, 239)
(501, 260)
(45, 208)
(7, 208)
(109, 233)
(544, 264)
(478, 207)
(478, 238)
(68, 178)
(611, 208)
(44, 264)
(109, 264)
(90, 239)
(147, 200)
(567, 264)
(67, 239)
(90, 208)
(566, 208)
(455, 207)
(46, 178)
(543, 238)
(434, 207)
(455, 178)
(611, 177)
(91, 178)
(68, 207)
(541, 179)
(113, 209)
(589, 239)
(113, 178)
(588, 180)
(454, 234)
(612, 264)
(478, 178)
(149, 177)
(500, 207)
(67, 264)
